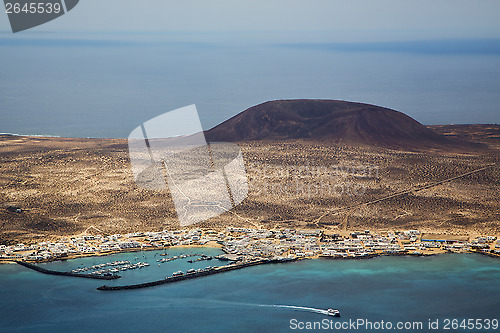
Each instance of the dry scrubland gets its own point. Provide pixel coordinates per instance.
(64, 186)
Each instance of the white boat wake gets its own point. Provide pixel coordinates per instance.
(299, 308)
(281, 306)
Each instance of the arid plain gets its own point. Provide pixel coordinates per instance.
(64, 186)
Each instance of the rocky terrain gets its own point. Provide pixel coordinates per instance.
(332, 121)
(60, 186)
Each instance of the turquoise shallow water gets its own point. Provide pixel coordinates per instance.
(389, 288)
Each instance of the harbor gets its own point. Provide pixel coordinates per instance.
(180, 267)
(193, 274)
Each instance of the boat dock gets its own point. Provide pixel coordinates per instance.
(182, 256)
(196, 274)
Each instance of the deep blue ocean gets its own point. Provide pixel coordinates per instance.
(105, 85)
(392, 289)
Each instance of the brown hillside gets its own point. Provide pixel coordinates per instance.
(330, 120)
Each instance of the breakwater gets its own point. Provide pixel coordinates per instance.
(80, 275)
(195, 274)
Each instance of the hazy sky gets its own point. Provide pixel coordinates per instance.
(359, 19)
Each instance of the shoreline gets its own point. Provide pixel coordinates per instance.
(252, 244)
(110, 253)
(55, 136)
(371, 256)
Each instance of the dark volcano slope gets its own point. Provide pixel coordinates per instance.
(327, 120)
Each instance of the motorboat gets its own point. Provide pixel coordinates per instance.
(333, 312)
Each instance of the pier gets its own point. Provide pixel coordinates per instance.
(182, 256)
(196, 274)
(80, 275)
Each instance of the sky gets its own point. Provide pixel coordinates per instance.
(359, 19)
